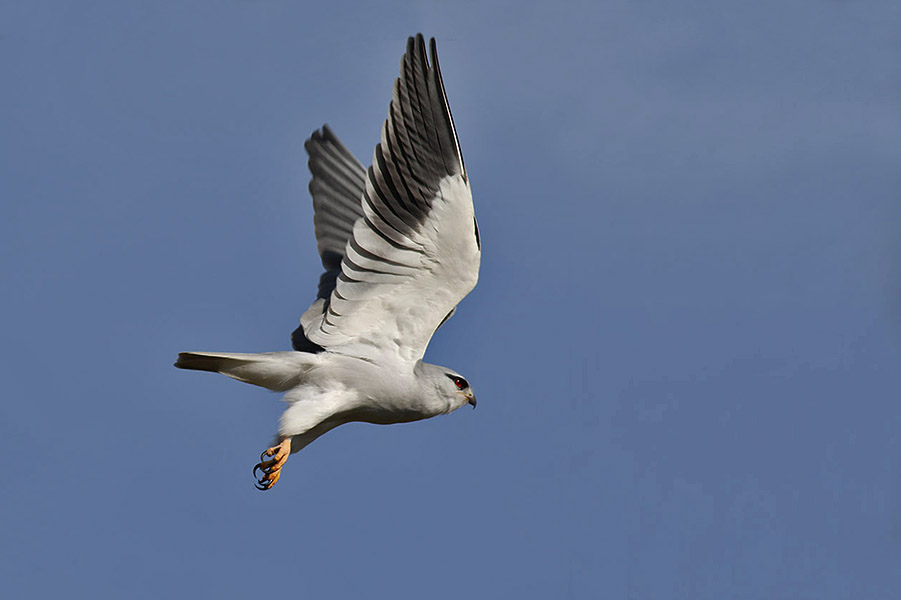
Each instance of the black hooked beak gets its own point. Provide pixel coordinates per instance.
(472, 400)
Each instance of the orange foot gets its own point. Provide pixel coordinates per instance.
(271, 469)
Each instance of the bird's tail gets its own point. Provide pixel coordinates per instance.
(278, 371)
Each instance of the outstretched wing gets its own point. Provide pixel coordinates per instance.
(337, 189)
(415, 253)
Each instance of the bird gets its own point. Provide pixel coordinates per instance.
(400, 246)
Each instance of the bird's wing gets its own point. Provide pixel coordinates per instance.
(337, 190)
(415, 252)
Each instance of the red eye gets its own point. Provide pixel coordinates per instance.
(461, 383)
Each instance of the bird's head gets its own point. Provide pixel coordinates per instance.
(449, 385)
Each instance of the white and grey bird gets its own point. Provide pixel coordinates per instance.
(400, 246)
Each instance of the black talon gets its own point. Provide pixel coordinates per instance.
(265, 468)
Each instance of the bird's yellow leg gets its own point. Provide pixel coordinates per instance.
(271, 468)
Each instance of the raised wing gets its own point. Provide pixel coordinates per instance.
(415, 253)
(337, 189)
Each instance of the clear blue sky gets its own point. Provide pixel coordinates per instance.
(685, 341)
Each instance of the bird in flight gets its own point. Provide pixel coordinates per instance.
(400, 246)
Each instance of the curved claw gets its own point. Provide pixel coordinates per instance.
(265, 483)
(270, 470)
(262, 483)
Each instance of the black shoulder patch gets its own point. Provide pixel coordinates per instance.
(300, 342)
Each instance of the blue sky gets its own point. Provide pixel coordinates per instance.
(685, 341)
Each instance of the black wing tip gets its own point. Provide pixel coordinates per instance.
(417, 42)
(416, 53)
(419, 39)
(326, 134)
(416, 46)
(438, 80)
(414, 42)
(320, 135)
(433, 51)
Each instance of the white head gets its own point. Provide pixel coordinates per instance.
(450, 388)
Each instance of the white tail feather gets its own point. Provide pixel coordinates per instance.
(277, 371)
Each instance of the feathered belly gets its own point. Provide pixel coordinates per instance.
(389, 413)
